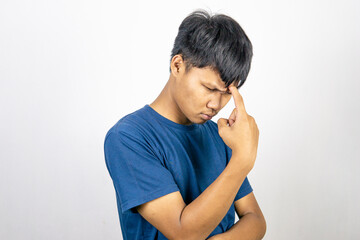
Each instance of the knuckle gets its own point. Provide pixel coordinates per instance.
(220, 131)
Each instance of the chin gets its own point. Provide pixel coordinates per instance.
(200, 121)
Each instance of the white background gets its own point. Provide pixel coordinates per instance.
(71, 69)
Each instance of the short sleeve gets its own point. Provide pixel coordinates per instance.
(245, 188)
(137, 173)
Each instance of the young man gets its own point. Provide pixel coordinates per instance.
(177, 174)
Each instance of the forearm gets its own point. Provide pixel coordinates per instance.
(249, 227)
(204, 214)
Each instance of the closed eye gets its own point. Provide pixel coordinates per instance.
(210, 89)
(213, 90)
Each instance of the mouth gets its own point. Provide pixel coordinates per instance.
(206, 117)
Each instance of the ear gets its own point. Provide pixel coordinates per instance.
(177, 65)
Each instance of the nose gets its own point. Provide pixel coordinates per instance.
(215, 103)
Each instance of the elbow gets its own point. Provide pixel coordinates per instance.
(188, 234)
(263, 227)
(188, 230)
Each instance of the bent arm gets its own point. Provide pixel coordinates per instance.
(251, 224)
(197, 220)
(205, 213)
(249, 227)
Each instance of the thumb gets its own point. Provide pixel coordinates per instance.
(222, 122)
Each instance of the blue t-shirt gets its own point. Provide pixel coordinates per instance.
(149, 156)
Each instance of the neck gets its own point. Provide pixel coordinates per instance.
(166, 105)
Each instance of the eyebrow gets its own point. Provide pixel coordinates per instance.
(213, 86)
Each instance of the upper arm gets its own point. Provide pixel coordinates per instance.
(137, 173)
(248, 204)
(164, 213)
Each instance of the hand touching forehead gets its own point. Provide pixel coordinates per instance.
(238, 99)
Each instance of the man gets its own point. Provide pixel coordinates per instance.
(177, 174)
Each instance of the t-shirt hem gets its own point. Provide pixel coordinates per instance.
(151, 196)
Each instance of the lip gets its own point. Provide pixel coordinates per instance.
(206, 117)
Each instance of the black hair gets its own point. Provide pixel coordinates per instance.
(217, 42)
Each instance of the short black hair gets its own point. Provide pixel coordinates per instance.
(216, 41)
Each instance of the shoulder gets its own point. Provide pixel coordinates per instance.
(134, 124)
(133, 132)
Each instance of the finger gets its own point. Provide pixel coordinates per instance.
(222, 122)
(232, 117)
(238, 99)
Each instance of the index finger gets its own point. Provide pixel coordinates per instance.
(238, 99)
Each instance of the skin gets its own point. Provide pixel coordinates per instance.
(183, 100)
(187, 96)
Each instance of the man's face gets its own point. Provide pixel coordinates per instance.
(200, 94)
